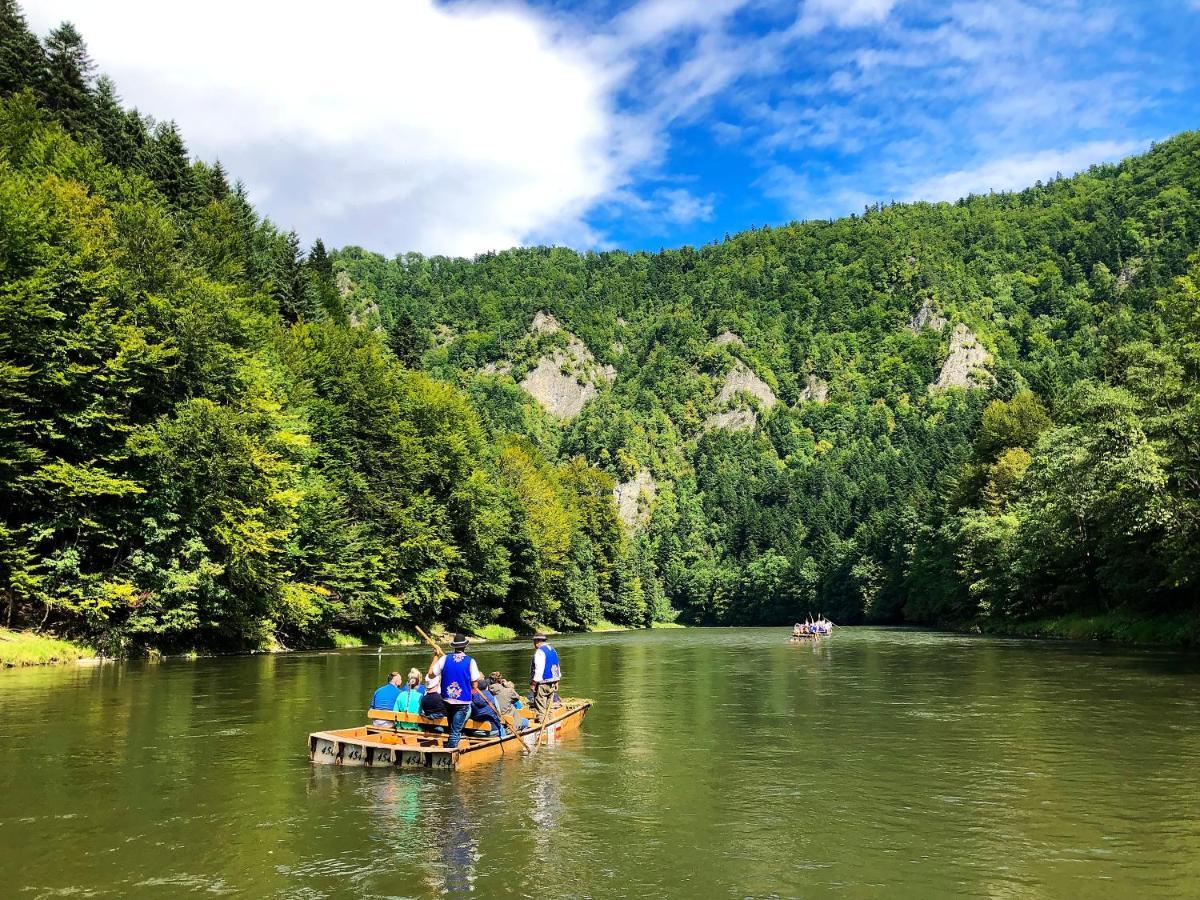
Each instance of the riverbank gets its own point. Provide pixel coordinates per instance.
(25, 648)
(1125, 628)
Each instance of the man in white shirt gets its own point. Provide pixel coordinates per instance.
(458, 674)
(544, 674)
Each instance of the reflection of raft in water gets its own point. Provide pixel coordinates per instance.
(371, 745)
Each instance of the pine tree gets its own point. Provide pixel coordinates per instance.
(165, 162)
(22, 59)
(70, 73)
(218, 181)
(288, 282)
(121, 133)
(323, 298)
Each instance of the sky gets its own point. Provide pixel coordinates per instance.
(464, 127)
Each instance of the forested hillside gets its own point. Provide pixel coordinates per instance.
(976, 413)
(951, 413)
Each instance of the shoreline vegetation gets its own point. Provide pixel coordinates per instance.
(21, 649)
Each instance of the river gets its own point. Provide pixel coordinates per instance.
(716, 763)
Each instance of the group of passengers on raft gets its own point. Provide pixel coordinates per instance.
(811, 627)
(454, 689)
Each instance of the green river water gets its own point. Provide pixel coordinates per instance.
(716, 763)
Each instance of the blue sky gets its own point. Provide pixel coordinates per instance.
(467, 126)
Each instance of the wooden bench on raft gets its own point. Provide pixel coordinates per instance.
(387, 715)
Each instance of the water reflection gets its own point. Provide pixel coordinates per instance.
(454, 831)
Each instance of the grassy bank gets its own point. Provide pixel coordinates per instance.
(24, 648)
(1175, 631)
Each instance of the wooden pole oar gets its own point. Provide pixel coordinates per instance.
(437, 648)
(545, 715)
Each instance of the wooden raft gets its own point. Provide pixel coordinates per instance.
(390, 745)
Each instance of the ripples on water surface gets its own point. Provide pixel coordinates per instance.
(717, 763)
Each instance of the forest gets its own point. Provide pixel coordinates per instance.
(979, 415)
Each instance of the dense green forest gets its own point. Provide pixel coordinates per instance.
(977, 414)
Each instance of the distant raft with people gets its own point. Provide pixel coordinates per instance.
(393, 745)
(811, 630)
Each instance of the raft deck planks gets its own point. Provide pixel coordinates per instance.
(375, 746)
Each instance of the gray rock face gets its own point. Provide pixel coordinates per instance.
(964, 367)
(503, 367)
(544, 323)
(738, 381)
(563, 381)
(1128, 274)
(815, 391)
(728, 337)
(741, 379)
(741, 418)
(927, 317)
(559, 392)
(634, 499)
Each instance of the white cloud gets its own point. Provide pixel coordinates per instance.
(480, 125)
(843, 13)
(1020, 171)
(399, 126)
(681, 207)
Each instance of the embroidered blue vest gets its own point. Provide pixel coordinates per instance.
(550, 670)
(456, 679)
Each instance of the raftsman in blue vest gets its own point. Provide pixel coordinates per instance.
(456, 679)
(551, 670)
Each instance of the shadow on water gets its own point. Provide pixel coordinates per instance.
(717, 762)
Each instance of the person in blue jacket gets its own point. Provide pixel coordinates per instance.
(385, 696)
(484, 707)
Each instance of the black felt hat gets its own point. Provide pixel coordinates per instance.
(460, 641)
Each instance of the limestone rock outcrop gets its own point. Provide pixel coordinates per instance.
(567, 377)
(965, 365)
(816, 390)
(728, 337)
(927, 317)
(741, 379)
(741, 417)
(634, 498)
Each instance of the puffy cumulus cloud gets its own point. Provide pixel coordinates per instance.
(1020, 171)
(398, 126)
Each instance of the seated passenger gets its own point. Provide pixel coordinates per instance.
(409, 699)
(508, 701)
(385, 697)
(504, 693)
(483, 707)
(432, 704)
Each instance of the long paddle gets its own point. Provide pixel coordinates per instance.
(545, 715)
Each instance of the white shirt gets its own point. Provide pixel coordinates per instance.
(539, 666)
(440, 663)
